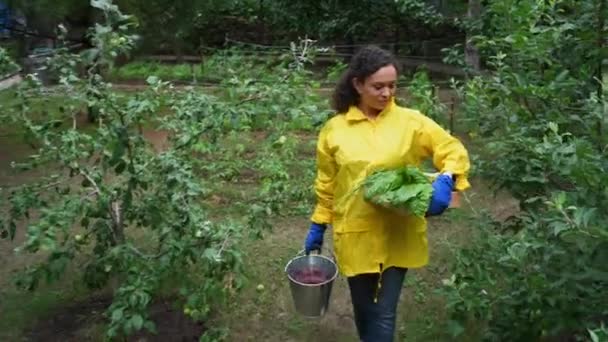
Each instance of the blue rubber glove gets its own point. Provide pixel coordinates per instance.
(443, 186)
(314, 239)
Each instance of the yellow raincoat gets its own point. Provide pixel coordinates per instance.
(368, 238)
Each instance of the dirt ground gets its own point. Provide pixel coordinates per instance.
(269, 315)
(83, 321)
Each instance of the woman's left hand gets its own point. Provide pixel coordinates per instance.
(314, 239)
(442, 194)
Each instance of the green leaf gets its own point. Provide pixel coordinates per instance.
(117, 315)
(562, 75)
(150, 326)
(210, 253)
(559, 227)
(553, 127)
(407, 188)
(582, 217)
(101, 4)
(137, 321)
(593, 336)
(152, 80)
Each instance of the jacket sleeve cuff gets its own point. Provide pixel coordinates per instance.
(462, 183)
(321, 215)
(461, 174)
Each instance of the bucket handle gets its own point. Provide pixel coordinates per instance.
(319, 252)
(303, 251)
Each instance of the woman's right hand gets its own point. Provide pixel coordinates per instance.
(314, 239)
(442, 194)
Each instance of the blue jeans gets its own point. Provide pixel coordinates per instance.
(375, 321)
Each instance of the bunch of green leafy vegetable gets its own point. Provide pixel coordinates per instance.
(406, 188)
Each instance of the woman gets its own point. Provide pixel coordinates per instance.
(374, 248)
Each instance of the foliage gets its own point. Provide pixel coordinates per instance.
(183, 23)
(362, 20)
(335, 71)
(128, 215)
(7, 66)
(538, 115)
(105, 186)
(420, 11)
(422, 97)
(599, 334)
(554, 262)
(191, 27)
(285, 90)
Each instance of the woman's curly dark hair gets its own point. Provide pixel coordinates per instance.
(363, 64)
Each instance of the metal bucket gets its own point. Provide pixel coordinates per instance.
(311, 299)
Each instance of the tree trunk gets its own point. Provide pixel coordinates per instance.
(471, 53)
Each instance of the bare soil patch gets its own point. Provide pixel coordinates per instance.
(72, 323)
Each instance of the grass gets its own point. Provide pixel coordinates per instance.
(42, 108)
(213, 68)
(140, 70)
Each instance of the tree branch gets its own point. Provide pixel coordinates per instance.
(251, 98)
(117, 227)
(123, 122)
(93, 183)
(224, 244)
(113, 210)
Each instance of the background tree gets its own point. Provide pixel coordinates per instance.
(189, 26)
(104, 185)
(542, 273)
